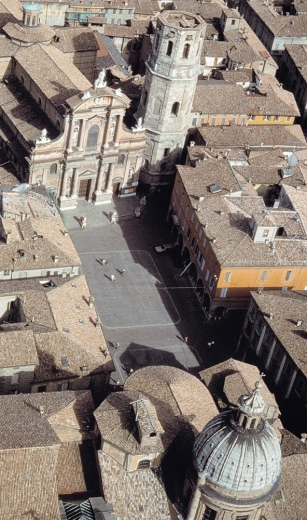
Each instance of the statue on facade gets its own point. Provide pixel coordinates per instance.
(43, 137)
(100, 82)
(139, 125)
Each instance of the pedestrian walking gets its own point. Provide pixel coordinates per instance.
(186, 339)
(83, 222)
(112, 278)
(103, 261)
(123, 272)
(116, 344)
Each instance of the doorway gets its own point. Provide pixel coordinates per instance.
(84, 189)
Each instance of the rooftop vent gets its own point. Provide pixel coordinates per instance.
(215, 188)
(299, 323)
(64, 362)
(286, 172)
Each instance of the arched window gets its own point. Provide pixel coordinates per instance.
(186, 50)
(157, 106)
(145, 97)
(169, 48)
(175, 109)
(53, 169)
(121, 159)
(92, 136)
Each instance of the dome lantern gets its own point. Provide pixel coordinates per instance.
(31, 13)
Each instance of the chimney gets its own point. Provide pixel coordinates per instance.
(97, 323)
(41, 410)
(65, 233)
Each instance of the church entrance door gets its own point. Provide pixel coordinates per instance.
(84, 188)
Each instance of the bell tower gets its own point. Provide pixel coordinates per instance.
(167, 97)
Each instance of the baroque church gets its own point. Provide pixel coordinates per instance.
(58, 127)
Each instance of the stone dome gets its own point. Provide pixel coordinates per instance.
(238, 451)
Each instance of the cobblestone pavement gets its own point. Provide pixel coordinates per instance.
(150, 308)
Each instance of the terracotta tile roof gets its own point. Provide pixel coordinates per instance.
(78, 321)
(224, 98)
(228, 218)
(217, 381)
(119, 31)
(138, 494)
(284, 26)
(27, 491)
(17, 348)
(40, 237)
(228, 136)
(20, 32)
(75, 39)
(23, 113)
(30, 426)
(184, 393)
(52, 72)
(10, 12)
(290, 500)
(116, 422)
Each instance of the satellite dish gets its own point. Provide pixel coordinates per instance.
(292, 160)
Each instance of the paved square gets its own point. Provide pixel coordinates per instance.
(141, 290)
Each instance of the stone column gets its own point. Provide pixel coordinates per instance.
(81, 135)
(71, 135)
(74, 194)
(280, 369)
(64, 182)
(260, 339)
(110, 178)
(107, 132)
(99, 178)
(195, 500)
(291, 384)
(270, 355)
(118, 129)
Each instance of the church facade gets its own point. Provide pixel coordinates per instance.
(57, 128)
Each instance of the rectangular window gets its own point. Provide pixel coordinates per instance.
(211, 284)
(189, 233)
(203, 263)
(14, 379)
(252, 118)
(224, 292)
(193, 242)
(192, 217)
(207, 274)
(194, 121)
(200, 233)
(166, 152)
(284, 288)
(196, 225)
(63, 386)
(227, 277)
(187, 209)
(264, 276)
(288, 275)
(204, 242)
